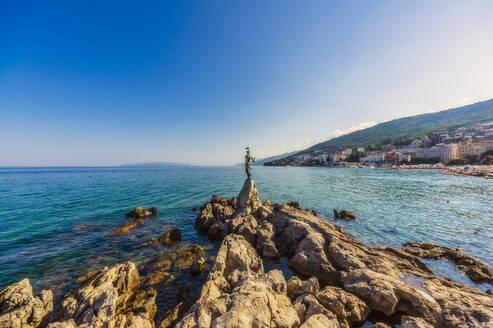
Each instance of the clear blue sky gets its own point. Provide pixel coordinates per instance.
(105, 83)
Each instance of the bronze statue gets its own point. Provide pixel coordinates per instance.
(248, 159)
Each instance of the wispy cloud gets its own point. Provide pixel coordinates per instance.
(338, 132)
(466, 101)
(302, 144)
(306, 143)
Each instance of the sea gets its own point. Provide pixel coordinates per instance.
(56, 222)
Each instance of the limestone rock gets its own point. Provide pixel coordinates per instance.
(109, 297)
(306, 305)
(296, 286)
(380, 325)
(20, 309)
(170, 237)
(462, 305)
(379, 278)
(412, 322)
(388, 295)
(239, 294)
(141, 212)
(476, 270)
(65, 324)
(349, 309)
(321, 321)
(248, 197)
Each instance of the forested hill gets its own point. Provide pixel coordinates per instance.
(406, 128)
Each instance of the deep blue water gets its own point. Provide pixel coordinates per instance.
(41, 210)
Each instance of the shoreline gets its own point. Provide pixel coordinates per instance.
(329, 267)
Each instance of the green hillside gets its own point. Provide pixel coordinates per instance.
(404, 128)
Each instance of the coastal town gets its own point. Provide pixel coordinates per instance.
(472, 144)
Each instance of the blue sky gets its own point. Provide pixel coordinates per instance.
(93, 83)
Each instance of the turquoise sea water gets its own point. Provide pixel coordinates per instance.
(41, 210)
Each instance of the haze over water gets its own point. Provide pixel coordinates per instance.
(41, 210)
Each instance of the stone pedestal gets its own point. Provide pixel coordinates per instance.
(248, 198)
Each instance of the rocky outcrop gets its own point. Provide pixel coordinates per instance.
(476, 270)
(137, 215)
(19, 308)
(170, 237)
(346, 215)
(108, 297)
(461, 305)
(141, 212)
(369, 279)
(248, 198)
(239, 293)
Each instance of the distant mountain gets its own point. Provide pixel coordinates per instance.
(404, 128)
(155, 164)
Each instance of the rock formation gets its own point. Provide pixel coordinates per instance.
(358, 279)
(108, 297)
(20, 309)
(239, 294)
(141, 212)
(476, 270)
(137, 215)
(170, 237)
(339, 282)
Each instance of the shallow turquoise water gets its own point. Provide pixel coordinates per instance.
(41, 208)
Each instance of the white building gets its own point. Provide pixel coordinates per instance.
(376, 156)
(446, 152)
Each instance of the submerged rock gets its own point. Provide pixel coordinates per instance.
(109, 297)
(19, 308)
(170, 237)
(476, 270)
(346, 215)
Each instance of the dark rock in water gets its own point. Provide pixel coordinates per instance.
(83, 226)
(476, 270)
(156, 269)
(294, 204)
(138, 215)
(346, 215)
(127, 227)
(153, 210)
(19, 308)
(170, 237)
(194, 209)
(141, 212)
(109, 297)
(197, 266)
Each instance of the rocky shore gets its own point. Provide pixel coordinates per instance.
(484, 171)
(338, 281)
